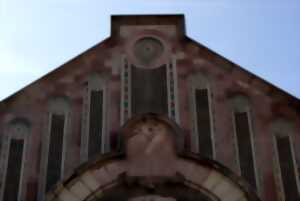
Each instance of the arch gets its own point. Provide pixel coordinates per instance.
(163, 171)
(282, 126)
(160, 84)
(240, 103)
(59, 105)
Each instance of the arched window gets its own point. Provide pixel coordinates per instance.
(244, 139)
(152, 90)
(287, 179)
(94, 136)
(15, 146)
(54, 144)
(149, 78)
(200, 101)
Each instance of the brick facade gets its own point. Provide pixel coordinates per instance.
(170, 68)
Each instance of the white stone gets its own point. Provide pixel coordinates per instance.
(80, 190)
(90, 181)
(212, 180)
(65, 195)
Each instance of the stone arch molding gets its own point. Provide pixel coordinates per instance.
(240, 103)
(152, 166)
(59, 105)
(19, 128)
(282, 127)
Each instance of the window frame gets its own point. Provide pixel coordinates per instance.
(59, 106)
(200, 82)
(6, 143)
(252, 141)
(95, 82)
(276, 163)
(171, 70)
(241, 103)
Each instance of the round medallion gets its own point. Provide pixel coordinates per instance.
(147, 50)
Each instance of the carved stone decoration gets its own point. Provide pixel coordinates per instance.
(147, 50)
(150, 146)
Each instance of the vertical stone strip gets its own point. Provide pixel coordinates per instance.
(172, 91)
(126, 92)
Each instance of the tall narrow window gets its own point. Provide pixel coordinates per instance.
(94, 138)
(244, 146)
(149, 90)
(14, 152)
(13, 172)
(203, 127)
(95, 123)
(54, 165)
(54, 146)
(287, 168)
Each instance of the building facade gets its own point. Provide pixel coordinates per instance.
(150, 114)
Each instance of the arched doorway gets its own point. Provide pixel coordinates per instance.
(152, 166)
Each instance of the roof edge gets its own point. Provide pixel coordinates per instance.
(51, 72)
(232, 65)
(161, 19)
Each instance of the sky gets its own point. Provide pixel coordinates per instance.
(37, 36)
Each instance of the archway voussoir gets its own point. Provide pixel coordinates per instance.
(213, 180)
(90, 181)
(234, 195)
(66, 195)
(222, 188)
(80, 190)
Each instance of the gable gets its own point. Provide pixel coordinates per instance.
(148, 65)
(96, 59)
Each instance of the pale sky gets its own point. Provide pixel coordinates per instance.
(37, 36)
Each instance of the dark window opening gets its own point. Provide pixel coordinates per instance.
(149, 90)
(245, 151)
(287, 168)
(13, 174)
(55, 150)
(96, 121)
(203, 123)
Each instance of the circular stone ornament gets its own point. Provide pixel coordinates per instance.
(147, 50)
